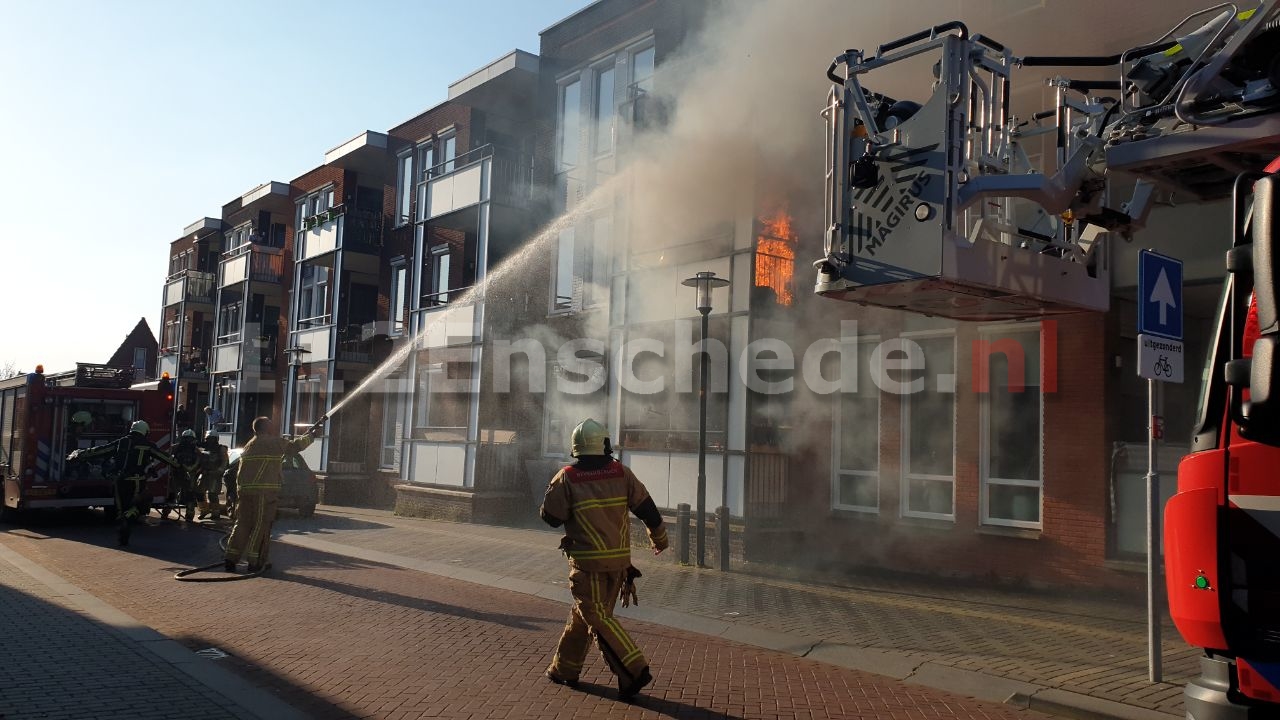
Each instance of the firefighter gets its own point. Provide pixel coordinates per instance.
(258, 483)
(213, 464)
(591, 499)
(132, 455)
(185, 489)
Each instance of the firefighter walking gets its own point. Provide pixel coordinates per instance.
(591, 499)
(258, 481)
(131, 456)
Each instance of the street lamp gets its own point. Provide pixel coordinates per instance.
(703, 283)
(295, 355)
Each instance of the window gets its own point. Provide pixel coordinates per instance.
(439, 269)
(570, 123)
(668, 418)
(392, 423)
(562, 411)
(443, 403)
(404, 188)
(313, 392)
(399, 298)
(1012, 439)
(605, 110)
(928, 433)
(448, 151)
(139, 358)
(426, 160)
(857, 441)
(563, 291)
(313, 298)
(642, 70)
(598, 275)
(230, 322)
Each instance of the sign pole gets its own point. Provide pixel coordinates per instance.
(1154, 669)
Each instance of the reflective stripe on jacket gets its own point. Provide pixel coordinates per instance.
(594, 505)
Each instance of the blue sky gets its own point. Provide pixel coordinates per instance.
(123, 122)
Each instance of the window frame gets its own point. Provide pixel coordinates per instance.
(565, 303)
(984, 433)
(405, 187)
(392, 411)
(905, 474)
(562, 86)
(837, 421)
(396, 322)
(606, 66)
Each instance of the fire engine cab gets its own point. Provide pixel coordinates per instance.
(935, 207)
(43, 418)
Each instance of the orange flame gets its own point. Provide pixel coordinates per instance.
(776, 256)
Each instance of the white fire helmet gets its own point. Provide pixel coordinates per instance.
(141, 427)
(589, 438)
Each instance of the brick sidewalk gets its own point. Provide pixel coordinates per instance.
(58, 663)
(1092, 647)
(341, 638)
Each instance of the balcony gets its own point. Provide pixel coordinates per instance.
(254, 354)
(259, 263)
(486, 173)
(340, 228)
(192, 286)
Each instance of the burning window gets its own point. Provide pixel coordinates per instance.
(776, 256)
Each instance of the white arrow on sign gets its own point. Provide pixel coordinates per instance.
(1162, 294)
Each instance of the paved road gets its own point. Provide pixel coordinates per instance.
(339, 638)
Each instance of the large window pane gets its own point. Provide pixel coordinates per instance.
(564, 277)
(642, 70)
(1013, 427)
(929, 427)
(857, 446)
(570, 123)
(404, 189)
(399, 295)
(605, 109)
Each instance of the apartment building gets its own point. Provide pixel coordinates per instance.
(246, 364)
(187, 318)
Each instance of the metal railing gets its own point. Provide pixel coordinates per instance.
(363, 230)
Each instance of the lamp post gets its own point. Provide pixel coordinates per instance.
(295, 355)
(703, 283)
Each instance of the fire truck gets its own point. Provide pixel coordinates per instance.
(936, 207)
(43, 418)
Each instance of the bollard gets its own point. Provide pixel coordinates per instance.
(722, 535)
(682, 532)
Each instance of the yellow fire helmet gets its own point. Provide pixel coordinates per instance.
(589, 438)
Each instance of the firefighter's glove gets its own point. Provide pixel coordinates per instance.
(628, 595)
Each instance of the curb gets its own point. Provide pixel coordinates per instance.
(896, 665)
(250, 700)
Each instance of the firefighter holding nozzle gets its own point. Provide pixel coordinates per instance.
(132, 456)
(258, 481)
(591, 499)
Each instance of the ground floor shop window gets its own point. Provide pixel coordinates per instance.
(660, 411)
(1012, 425)
(856, 481)
(928, 432)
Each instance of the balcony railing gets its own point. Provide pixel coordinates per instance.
(460, 182)
(259, 263)
(362, 231)
(189, 286)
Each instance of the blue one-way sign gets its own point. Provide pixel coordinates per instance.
(1159, 295)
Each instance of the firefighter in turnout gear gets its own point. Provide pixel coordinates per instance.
(213, 463)
(184, 487)
(591, 499)
(258, 482)
(131, 456)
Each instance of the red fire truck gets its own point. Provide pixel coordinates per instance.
(934, 205)
(43, 418)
